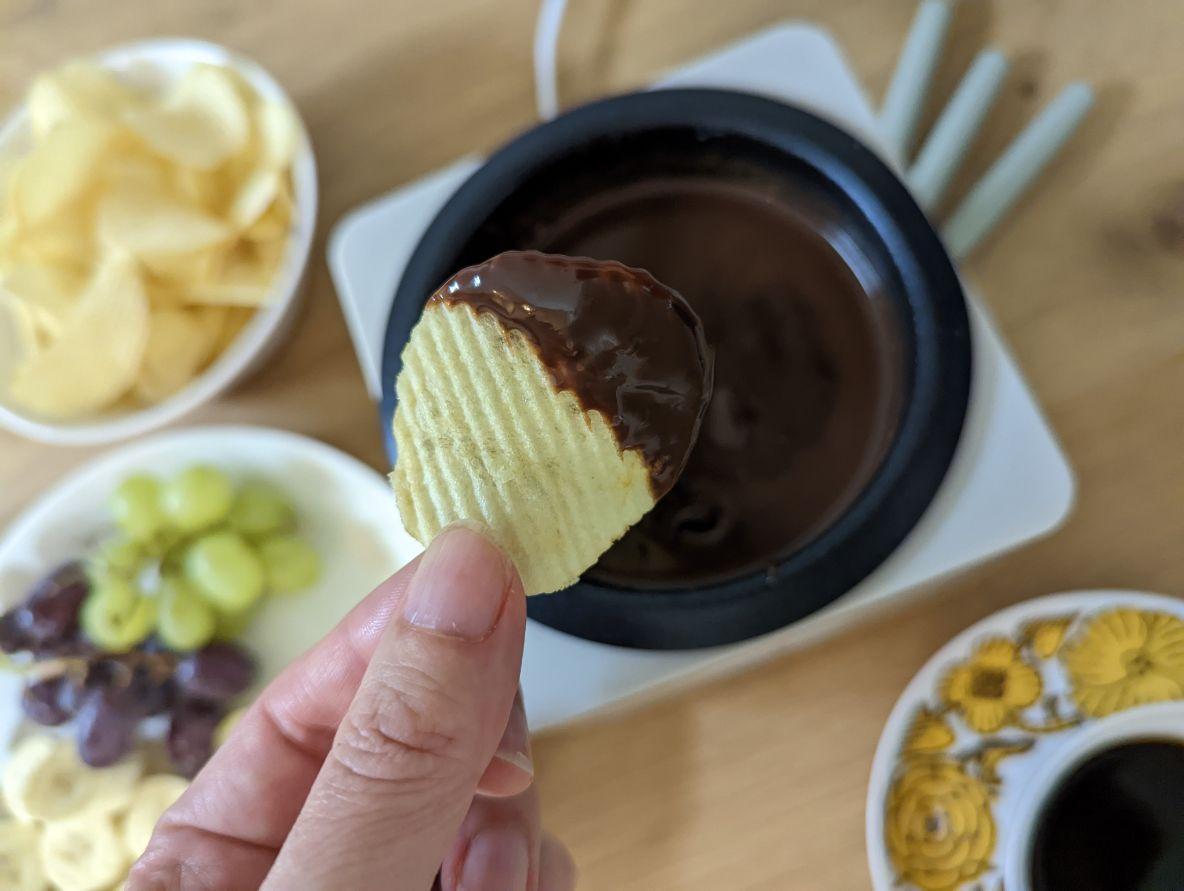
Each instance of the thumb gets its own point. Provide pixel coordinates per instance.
(423, 727)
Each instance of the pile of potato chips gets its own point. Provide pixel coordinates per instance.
(139, 234)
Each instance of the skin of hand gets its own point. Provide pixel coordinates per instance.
(394, 750)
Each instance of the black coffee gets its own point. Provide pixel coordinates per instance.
(1115, 824)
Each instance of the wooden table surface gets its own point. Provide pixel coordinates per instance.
(757, 781)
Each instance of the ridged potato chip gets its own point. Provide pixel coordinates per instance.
(483, 435)
(551, 399)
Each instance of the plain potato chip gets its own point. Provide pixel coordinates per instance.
(255, 195)
(180, 341)
(147, 223)
(245, 279)
(97, 356)
(60, 170)
(22, 325)
(186, 189)
(278, 132)
(274, 224)
(76, 90)
(493, 441)
(202, 122)
(46, 292)
(67, 245)
(210, 190)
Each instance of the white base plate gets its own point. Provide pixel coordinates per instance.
(1009, 482)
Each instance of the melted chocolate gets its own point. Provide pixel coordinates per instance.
(809, 378)
(622, 343)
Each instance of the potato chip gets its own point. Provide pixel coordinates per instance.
(189, 185)
(22, 324)
(180, 341)
(47, 293)
(276, 222)
(255, 195)
(242, 282)
(202, 123)
(97, 356)
(278, 132)
(494, 441)
(68, 244)
(210, 190)
(146, 222)
(76, 90)
(184, 271)
(60, 170)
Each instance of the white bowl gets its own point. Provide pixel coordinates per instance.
(347, 511)
(163, 60)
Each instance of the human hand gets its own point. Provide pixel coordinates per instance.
(393, 749)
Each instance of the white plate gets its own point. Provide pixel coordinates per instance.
(982, 733)
(158, 61)
(346, 510)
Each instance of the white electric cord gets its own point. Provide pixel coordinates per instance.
(546, 52)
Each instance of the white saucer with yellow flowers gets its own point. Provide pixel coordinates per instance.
(985, 728)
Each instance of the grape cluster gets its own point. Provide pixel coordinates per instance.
(193, 558)
(145, 626)
(107, 695)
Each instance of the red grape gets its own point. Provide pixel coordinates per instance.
(44, 703)
(14, 636)
(106, 727)
(191, 735)
(150, 693)
(216, 673)
(47, 622)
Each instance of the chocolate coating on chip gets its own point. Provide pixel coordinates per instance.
(617, 339)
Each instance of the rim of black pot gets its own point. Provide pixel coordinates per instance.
(916, 461)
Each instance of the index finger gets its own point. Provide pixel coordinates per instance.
(226, 829)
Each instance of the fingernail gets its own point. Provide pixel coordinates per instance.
(512, 769)
(498, 859)
(460, 585)
(514, 748)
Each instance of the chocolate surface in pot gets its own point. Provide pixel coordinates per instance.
(623, 343)
(808, 378)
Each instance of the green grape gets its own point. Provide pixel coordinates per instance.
(289, 562)
(120, 556)
(184, 621)
(115, 617)
(225, 571)
(260, 509)
(136, 507)
(197, 498)
(231, 626)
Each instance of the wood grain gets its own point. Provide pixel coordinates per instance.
(757, 782)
